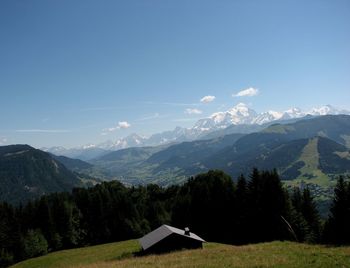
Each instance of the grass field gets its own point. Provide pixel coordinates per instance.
(274, 254)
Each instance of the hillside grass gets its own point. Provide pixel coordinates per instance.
(310, 156)
(278, 128)
(83, 256)
(273, 254)
(310, 172)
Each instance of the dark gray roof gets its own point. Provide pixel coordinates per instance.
(161, 232)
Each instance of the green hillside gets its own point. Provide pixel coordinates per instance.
(273, 254)
(318, 165)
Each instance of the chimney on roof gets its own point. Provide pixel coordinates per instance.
(187, 231)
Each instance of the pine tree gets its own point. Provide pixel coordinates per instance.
(241, 231)
(311, 216)
(268, 207)
(306, 219)
(337, 229)
(34, 244)
(298, 222)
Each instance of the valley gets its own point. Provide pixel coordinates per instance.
(308, 152)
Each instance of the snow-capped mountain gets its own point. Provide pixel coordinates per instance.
(238, 115)
(267, 117)
(292, 113)
(327, 109)
(132, 140)
(241, 114)
(178, 134)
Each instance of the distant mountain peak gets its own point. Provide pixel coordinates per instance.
(88, 146)
(239, 115)
(267, 117)
(324, 110)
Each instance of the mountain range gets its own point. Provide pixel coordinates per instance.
(239, 119)
(310, 150)
(305, 149)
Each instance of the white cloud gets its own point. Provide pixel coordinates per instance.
(193, 111)
(120, 125)
(249, 92)
(207, 99)
(124, 124)
(3, 141)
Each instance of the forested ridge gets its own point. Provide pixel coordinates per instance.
(251, 210)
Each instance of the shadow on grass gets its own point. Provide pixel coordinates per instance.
(141, 253)
(127, 255)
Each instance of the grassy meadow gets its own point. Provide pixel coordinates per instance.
(273, 254)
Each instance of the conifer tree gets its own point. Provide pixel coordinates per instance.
(311, 216)
(337, 229)
(298, 222)
(34, 244)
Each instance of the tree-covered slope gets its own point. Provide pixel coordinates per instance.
(27, 173)
(188, 153)
(73, 164)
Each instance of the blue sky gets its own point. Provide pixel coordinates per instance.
(70, 70)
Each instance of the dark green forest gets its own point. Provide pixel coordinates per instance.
(251, 210)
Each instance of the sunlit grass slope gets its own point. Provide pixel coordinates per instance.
(274, 254)
(83, 256)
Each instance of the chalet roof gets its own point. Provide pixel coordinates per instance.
(162, 232)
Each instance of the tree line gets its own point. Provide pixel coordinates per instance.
(250, 210)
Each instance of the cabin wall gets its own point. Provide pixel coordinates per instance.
(174, 242)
